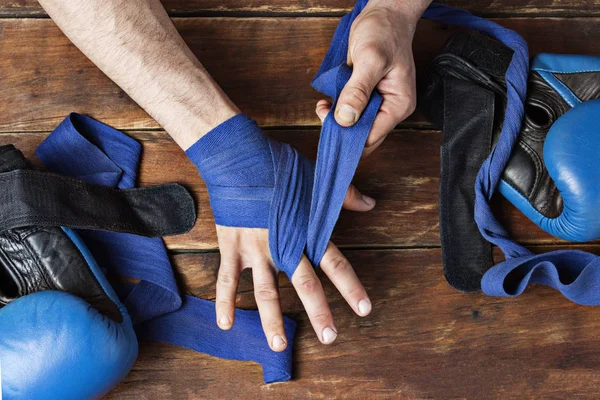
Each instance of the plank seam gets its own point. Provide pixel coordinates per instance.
(291, 128)
(402, 248)
(584, 14)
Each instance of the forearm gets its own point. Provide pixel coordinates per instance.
(135, 43)
(410, 9)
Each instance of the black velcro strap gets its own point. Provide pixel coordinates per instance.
(464, 94)
(468, 122)
(31, 197)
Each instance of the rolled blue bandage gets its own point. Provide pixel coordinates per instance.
(256, 182)
(96, 153)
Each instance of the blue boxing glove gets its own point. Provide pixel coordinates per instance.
(64, 334)
(552, 175)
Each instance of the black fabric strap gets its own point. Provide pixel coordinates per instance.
(463, 92)
(465, 146)
(31, 197)
(11, 159)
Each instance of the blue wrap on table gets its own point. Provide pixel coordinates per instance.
(96, 153)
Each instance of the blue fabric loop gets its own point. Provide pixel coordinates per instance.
(256, 182)
(96, 153)
(574, 273)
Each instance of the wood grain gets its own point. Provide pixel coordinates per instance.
(405, 187)
(423, 340)
(31, 8)
(264, 64)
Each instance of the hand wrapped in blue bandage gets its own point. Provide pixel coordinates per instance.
(275, 209)
(258, 183)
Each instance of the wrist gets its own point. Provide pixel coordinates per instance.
(236, 162)
(203, 118)
(188, 108)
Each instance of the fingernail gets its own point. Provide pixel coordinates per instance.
(368, 200)
(329, 335)
(224, 322)
(346, 114)
(278, 342)
(364, 307)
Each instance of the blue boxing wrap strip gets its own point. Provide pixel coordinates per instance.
(96, 153)
(256, 182)
(575, 274)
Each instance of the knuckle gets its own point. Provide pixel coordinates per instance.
(402, 108)
(340, 265)
(352, 192)
(322, 105)
(374, 55)
(358, 94)
(411, 105)
(309, 284)
(373, 140)
(321, 111)
(226, 279)
(266, 293)
(321, 318)
(355, 290)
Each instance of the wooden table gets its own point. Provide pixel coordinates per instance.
(423, 339)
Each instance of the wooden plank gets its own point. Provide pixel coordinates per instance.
(423, 340)
(31, 8)
(405, 187)
(265, 64)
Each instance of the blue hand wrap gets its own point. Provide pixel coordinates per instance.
(96, 153)
(256, 182)
(575, 274)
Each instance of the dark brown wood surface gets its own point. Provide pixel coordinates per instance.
(30, 8)
(423, 339)
(264, 64)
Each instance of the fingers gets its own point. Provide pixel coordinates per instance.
(310, 291)
(356, 201)
(266, 294)
(367, 71)
(399, 93)
(371, 148)
(323, 108)
(398, 90)
(341, 274)
(227, 283)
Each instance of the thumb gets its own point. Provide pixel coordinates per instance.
(356, 201)
(357, 92)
